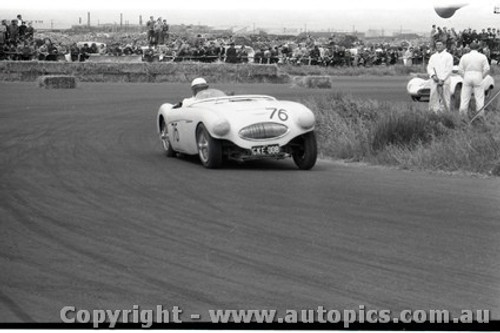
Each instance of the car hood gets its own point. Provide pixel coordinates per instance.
(243, 112)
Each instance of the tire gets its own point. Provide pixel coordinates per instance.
(415, 98)
(306, 154)
(488, 92)
(455, 98)
(209, 149)
(169, 151)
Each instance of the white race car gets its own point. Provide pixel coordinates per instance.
(419, 88)
(242, 127)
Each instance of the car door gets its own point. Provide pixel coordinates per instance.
(182, 130)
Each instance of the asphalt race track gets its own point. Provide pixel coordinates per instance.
(93, 215)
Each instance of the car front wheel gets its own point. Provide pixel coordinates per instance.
(306, 153)
(165, 141)
(209, 149)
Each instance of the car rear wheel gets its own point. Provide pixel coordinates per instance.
(209, 149)
(165, 141)
(455, 98)
(488, 91)
(415, 98)
(306, 153)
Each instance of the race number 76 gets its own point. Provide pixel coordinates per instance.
(279, 113)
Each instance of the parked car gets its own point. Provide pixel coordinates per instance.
(419, 88)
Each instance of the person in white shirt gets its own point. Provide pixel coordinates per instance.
(439, 69)
(473, 66)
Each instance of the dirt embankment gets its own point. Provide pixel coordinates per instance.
(142, 72)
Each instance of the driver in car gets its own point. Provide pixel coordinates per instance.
(198, 84)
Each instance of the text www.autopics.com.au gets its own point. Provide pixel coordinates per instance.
(175, 315)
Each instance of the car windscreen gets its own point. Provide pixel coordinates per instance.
(209, 93)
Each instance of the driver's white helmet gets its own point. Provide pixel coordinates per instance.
(199, 81)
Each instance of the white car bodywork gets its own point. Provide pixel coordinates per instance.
(419, 88)
(242, 127)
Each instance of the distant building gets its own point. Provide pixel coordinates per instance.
(371, 33)
(405, 35)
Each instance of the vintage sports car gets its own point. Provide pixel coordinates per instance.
(218, 127)
(419, 88)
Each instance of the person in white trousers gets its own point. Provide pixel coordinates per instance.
(473, 66)
(439, 69)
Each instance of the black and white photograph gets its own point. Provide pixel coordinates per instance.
(284, 165)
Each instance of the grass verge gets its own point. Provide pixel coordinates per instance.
(379, 70)
(406, 135)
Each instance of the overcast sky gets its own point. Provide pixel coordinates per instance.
(343, 15)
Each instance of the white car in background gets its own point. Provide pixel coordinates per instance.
(420, 89)
(217, 127)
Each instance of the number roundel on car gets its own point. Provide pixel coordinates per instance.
(280, 114)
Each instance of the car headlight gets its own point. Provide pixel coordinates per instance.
(306, 120)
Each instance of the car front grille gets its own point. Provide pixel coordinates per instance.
(263, 131)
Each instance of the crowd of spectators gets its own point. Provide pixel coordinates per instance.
(18, 42)
(457, 43)
(16, 38)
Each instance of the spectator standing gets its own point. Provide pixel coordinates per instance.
(19, 19)
(3, 33)
(453, 39)
(274, 55)
(13, 31)
(158, 27)
(466, 37)
(286, 53)
(439, 69)
(483, 36)
(231, 54)
(407, 57)
(258, 56)
(30, 32)
(444, 36)
(474, 36)
(150, 25)
(487, 52)
(491, 38)
(22, 31)
(164, 32)
(434, 35)
(267, 56)
(74, 52)
(473, 66)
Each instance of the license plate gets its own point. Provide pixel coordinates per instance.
(265, 150)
